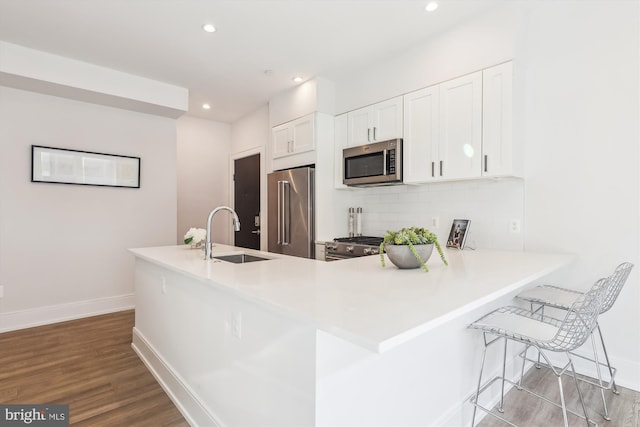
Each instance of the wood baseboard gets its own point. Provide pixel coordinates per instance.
(22, 319)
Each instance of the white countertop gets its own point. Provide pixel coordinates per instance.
(358, 300)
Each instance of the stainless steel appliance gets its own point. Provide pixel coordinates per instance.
(291, 212)
(351, 247)
(379, 163)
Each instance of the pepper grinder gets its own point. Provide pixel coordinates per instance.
(351, 222)
(359, 222)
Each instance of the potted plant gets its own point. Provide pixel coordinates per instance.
(410, 247)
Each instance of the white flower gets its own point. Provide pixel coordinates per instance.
(195, 236)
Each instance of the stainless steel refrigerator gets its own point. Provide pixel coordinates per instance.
(291, 229)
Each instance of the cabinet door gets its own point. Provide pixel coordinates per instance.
(420, 145)
(460, 128)
(386, 120)
(497, 137)
(281, 140)
(302, 131)
(359, 129)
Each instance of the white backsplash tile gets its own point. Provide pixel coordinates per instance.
(489, 204)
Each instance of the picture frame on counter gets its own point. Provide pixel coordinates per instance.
(65, 166)
(458, 233)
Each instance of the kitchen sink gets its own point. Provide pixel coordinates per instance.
(240, 258)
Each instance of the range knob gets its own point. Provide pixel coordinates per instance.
(350, 249)
(367, 251)
(374, 251)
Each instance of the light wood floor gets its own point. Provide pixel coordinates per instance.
(88, 364)
(528, 411)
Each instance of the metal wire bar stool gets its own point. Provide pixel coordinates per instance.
(562, 298)
(544, 334)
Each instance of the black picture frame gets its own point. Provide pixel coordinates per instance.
(458, 233)
(65, 166)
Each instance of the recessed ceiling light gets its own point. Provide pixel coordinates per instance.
(431, 6)
(209, 28)
(206, 106)
(297, 79)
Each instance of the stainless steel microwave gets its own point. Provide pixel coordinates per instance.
(379, 163)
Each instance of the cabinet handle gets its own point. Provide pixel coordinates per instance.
(369, 134)
(440, 167)
(486, 162)
(433, 167)
(374, 133)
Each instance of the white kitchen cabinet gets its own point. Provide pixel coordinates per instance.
(377, 122)
(499, 155)
(420, 145)
(294, 137)
(460, 130)
(443, 131)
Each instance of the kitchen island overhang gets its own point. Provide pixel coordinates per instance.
(310, 334)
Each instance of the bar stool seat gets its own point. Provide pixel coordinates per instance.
(550, 295)
(507, 320)
(545, 334)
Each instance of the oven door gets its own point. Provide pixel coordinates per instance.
(336, 257)
(378, 163)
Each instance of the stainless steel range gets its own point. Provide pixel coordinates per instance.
(351, 247)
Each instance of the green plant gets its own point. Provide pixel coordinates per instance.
(412, 236)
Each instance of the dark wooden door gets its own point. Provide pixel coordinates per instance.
(247, 201)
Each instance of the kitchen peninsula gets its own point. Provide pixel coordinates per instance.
(293, 341)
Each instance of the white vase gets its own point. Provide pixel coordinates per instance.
(402, 257)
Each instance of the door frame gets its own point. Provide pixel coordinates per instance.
(263, 191)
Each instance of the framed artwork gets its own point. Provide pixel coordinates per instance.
(458, 234)
(63, 166)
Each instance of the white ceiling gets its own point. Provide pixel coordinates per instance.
(163, 40)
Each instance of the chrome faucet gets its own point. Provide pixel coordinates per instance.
(236, 225)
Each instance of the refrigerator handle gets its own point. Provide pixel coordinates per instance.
(279, 213)
(285, 211)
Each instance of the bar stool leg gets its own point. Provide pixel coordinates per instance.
(504, 369)
(475, 407)
(541, 318)
(524, 360)
(575, 379)
(614, 388)
(595, 357)
(564, 406)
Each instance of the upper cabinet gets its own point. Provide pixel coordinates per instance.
(460, 129)
(294, 137)
(500, 156)
(377, 122)
(443, 131)
(460, 145)
(421, 125)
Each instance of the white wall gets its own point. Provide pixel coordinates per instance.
(203, 175)
(252, 131)
(250, 135)
(63, 248)
(581, 117)
(471, 46)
